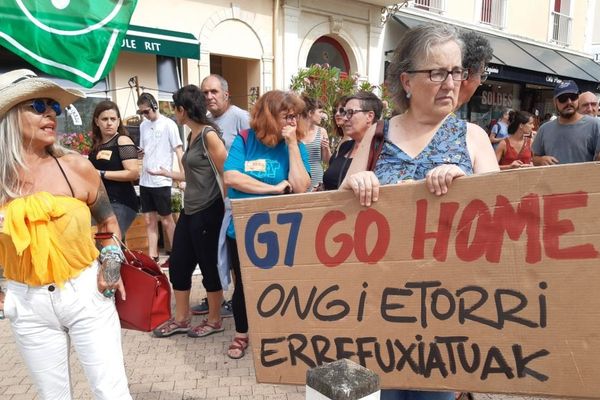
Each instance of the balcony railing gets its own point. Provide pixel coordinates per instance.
(492, 12)
(436, 6)
(561, 28)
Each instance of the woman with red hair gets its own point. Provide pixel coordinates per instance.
(268, 159)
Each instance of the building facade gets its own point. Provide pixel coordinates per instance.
(536, 44)
(256, 45)
(259, 45)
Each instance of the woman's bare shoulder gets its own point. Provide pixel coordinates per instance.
(78, 164)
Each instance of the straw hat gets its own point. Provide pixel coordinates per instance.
(22, 84)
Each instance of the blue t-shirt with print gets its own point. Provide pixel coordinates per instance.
(267, 164)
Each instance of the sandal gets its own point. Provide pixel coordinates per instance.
(238, 343)
(171, 327)
(206, 328)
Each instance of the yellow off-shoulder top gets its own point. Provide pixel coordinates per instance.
(46, 239)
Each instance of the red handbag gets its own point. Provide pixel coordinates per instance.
(148, 290)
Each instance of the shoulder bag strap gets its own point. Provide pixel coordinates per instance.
(376, 144)
(212, 164)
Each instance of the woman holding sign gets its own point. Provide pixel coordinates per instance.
(426, 141)
(268, 159)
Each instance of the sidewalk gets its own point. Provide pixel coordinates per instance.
(177, 367)
(174, 368)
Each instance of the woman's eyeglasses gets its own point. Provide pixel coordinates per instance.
(39, 106)
(291, 117)
(440, 75)
(349, 112)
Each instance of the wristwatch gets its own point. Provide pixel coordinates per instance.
(102, 173)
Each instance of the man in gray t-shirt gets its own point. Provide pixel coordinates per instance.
(230, 119)
(572, 137)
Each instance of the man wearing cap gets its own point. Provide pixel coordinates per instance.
(588, 104)
(572, 137)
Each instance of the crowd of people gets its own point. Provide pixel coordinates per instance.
(56, 290)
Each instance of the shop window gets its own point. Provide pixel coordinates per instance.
(493, 12)
(168, 76)
(326, 50)
(561, 21)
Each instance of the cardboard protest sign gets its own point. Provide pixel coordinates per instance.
(493, 287)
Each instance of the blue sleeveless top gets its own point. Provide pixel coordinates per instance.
(448, 146)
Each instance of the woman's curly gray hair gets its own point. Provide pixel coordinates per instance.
(414, 48)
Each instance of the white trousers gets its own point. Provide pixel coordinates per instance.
(45, 319)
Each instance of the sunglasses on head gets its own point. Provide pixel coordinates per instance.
(40, 106)
(567, 96)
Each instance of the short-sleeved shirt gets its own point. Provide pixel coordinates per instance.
(158, 139)
(231, 122)
(447, 146)
(267, 164)
(569, 143)
(500, 130)
(109, 157)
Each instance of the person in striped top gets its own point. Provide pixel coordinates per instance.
(316, 140)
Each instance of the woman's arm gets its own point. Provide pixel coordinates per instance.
(298, 176)
(130, 171)
(102, 212)
(218, 154)
(500, 151)
(247, 184)
(482, 154)
(325, 147)
(360, 159)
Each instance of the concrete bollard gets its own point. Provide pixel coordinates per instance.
(341, 380)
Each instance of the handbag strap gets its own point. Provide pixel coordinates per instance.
(377, 144)
(212, 164)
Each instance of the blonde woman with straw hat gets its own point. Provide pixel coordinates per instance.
(56, 290)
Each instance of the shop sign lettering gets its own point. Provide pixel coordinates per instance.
(490, 98)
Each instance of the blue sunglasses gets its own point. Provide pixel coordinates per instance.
(39, 106)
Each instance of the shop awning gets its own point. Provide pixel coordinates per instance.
(161, 42)
(527, 56)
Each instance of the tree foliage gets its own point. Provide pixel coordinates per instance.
(329, 84)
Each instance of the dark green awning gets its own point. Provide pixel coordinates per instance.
(161, 42)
